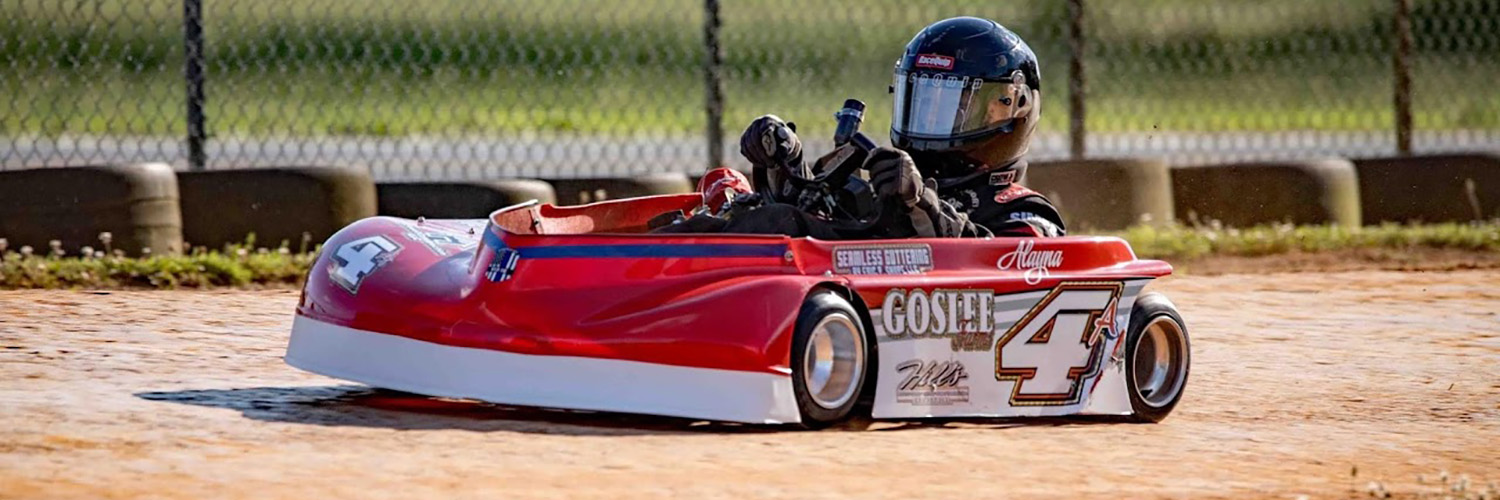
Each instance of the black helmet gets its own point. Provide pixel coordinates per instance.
(968, 96)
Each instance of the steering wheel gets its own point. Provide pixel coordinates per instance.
(846, 202)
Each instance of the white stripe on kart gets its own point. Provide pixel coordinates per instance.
(405, 364)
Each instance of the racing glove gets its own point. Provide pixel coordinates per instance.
(772, 143)
(895, 176)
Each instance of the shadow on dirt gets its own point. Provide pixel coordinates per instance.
(360, 406)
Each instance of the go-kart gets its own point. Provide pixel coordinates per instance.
(580, 307)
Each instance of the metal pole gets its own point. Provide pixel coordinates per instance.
(714, 106)
(192, 28)
(1403, 77)
(1077, 88)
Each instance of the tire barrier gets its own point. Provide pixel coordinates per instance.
(75, 206)
(298, 206)
(1433, 188)
(457, 200)
(1249, 194)
(1106, 194)
(581, 191)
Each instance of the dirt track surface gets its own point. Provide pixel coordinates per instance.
(1297, 379)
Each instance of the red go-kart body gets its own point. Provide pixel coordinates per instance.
(581, 308)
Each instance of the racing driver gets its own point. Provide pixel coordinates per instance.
(967, 100)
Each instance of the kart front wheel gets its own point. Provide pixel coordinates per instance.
(829, 359)
(1157, 357)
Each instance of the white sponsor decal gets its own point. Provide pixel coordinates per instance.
(1036, 352)
(934, 61)
(433, 241)
(1002, 178)
(882, 259)
(966, 317)
(438, 242)
(932, 383)
(1035, 264)
(358, 259)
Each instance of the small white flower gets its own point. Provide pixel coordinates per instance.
(105, 237)
(145, 250)
(26, 250)
(88, 251)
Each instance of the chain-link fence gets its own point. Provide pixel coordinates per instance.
(563, 88)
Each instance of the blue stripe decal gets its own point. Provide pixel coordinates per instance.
(659, 250)
(653, 251)
(492, 240)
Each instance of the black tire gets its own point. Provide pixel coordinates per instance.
(1153, 310)
(831, 401)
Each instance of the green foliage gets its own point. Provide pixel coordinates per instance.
(238, 266)
(1183, 242)
(235, 267)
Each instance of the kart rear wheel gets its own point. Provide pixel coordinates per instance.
(1157, 357)
(830, 354)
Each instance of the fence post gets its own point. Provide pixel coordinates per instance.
(714, 105)
(1402, 65)
(1076, 83)
(192, 28)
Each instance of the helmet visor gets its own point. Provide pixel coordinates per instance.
(944, 106)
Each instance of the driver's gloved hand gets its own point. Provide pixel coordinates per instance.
(895, 176)
(772, 143)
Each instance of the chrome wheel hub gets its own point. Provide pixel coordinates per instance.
(1160, 362)
(834, 361)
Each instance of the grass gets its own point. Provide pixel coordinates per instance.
(1182, 242)
(239, 266)
(236, 266)
(382, 67)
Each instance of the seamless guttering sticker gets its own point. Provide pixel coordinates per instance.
(882, 259)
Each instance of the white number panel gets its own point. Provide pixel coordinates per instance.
(1058, 345)
(970, 352)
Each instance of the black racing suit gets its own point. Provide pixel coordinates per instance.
(977, 206)
(964, 207)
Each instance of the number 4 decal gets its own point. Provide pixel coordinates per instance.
(355, 260)
(1058, 344)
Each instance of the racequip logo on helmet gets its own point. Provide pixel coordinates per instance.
(934, 61)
